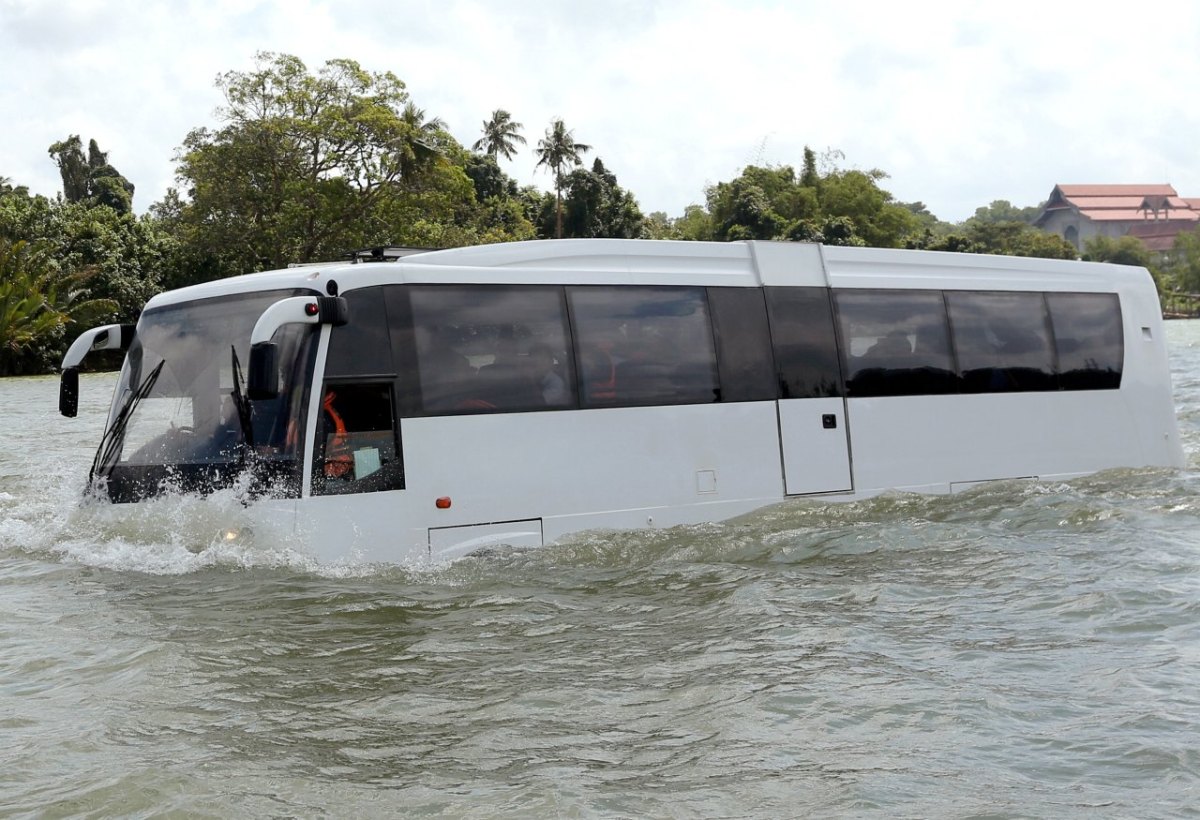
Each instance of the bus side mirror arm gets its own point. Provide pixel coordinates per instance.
(108, 337)
(262, 378)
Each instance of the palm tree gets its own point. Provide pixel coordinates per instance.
(422, 144)
(556, 151)
(36, 302)
(499, 135)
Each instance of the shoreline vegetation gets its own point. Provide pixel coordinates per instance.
(305, 165)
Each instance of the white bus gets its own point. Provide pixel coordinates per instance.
(444, 401)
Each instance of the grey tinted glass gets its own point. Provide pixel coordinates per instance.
(804, 341)
(1090, 342)
(361, 347)
(356, 448)
(643, 345)
(744, 357)
(895, 343)
(1002, 341)
(483, 349)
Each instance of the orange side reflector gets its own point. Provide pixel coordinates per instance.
(443, 503)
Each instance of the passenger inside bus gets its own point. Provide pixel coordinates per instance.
(893, 343)
(549, 382)
(356, 442)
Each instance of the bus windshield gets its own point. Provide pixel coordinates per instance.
(180, 415)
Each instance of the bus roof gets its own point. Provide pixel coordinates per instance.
(650, 262)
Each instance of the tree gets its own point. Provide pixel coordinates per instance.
(742, 209)
(500, 135)
(1124, 250)
(128, 256)
(1001, 210)
(37, 303)
(1183, 265)
(422, 143)
(92, 180)
(7, 188)
(1003, 238)
(594, 205)
(830, 206)
(302, 164)
(858, 196)
(556, 151)
(489, 180)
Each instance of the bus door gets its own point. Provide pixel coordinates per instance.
(814, 438)
(356, 439)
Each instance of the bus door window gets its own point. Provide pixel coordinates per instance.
(805, 345)
(356, 446)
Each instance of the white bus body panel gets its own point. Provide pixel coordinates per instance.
(614, 468)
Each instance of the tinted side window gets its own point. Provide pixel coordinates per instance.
(805, 344)
(744, 359)
(895, 343)
(361, 347)
(643, 345)
(1087, 333)
(1003, 341)
(486, 349)
(356, 449)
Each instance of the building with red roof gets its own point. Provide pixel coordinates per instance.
(1155, 214)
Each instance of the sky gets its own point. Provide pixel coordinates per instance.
(959, 103)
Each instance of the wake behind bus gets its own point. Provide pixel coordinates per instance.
(406, 406)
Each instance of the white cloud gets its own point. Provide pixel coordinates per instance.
(960, 105)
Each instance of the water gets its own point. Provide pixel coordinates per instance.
(1023, 650)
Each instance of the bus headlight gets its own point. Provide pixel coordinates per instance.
(235, 535)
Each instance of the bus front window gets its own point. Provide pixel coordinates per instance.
(180, 416)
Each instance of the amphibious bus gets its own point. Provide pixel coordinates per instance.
(431, 404)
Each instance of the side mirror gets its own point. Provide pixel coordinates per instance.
(68, 393)
(262, 379)
(108, 337)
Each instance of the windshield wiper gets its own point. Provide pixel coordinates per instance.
(241, 403)
(114, 437)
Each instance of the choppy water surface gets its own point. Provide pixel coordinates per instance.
(1023, 650)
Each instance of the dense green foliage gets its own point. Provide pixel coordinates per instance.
(303, 165)
(824, 203)
(1179, 275)
(38, 304)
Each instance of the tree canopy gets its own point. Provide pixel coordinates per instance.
(305, 165)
